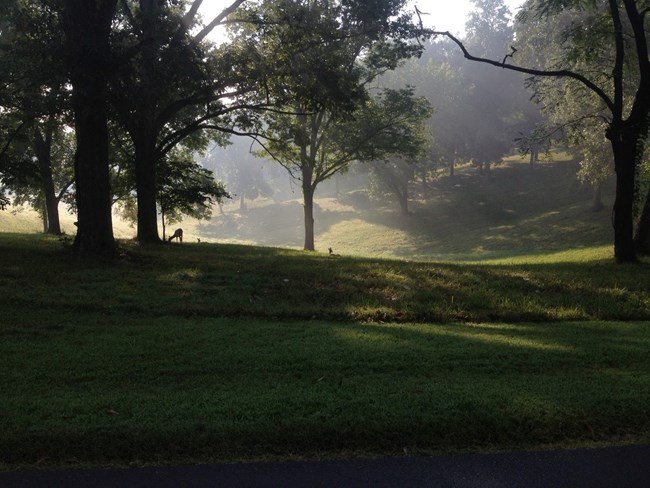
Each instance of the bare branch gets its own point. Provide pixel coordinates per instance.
(216, 21)
(536, 72)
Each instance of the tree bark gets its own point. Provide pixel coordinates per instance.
(308, 207)
(534, 156)
(43, 152)
(642, 238)
(597, 201)
(145, 181)
(87, 27)
(146, 137)
(403, 200)
(625, 150)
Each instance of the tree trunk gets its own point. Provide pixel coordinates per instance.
(642, 238)
(597, 202)
(87, 27)
(145, 137)
(403, 200)
(308, 207)
(145, 181)
(43, 152)
(625, 148)
(162, 220)
(44, 219)
(534, 156)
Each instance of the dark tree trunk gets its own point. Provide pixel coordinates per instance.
(87, 27)
(146, 137)
(625, 149)
(642, 238)
(145, 181)
(308, 200)
(43, 152)
(44, 219)
(452, 167)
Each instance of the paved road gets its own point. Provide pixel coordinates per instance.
(616, 467)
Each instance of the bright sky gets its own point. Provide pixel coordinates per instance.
(448, 15)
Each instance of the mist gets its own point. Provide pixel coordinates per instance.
(481, 189)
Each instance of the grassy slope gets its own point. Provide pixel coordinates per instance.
(199, 352)
(517, 212)
(467, 217)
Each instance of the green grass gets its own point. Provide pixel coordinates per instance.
(200, 352)
(467, 217)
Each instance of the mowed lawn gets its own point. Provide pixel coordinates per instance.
(194, 353)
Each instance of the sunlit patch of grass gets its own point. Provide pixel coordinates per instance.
(588, 254)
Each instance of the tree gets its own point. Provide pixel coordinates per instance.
(595, 164)
(402, 145)
(186, 188)
(174, 86)
(87, 28)
(36, 97)
(331, 52)
(494, 97)
(617, 28)
(240, 169)
(642, 235)
(46, 175)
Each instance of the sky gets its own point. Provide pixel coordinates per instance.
(448, 15)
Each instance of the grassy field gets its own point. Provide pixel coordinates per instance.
(204, 352)
(468, 217)
(465, 218)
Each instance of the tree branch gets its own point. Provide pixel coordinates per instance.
(216, 21)
(535, 72)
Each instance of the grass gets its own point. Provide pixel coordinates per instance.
(201, 352)
(467, 217)
(516, 212)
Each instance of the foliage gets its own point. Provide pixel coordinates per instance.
(330, 56)
(240, 170)
(172, 88)
(35, 110)
(185, 188)
(627, 110)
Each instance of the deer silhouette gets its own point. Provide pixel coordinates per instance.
(178, 234)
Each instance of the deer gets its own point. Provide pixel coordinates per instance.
(178, 234)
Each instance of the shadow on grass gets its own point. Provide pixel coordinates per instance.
(208, 389)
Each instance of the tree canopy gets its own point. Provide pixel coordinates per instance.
(615, 33)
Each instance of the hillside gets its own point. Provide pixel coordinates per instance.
(517, 211)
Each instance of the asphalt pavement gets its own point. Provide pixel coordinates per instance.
(613, 467)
